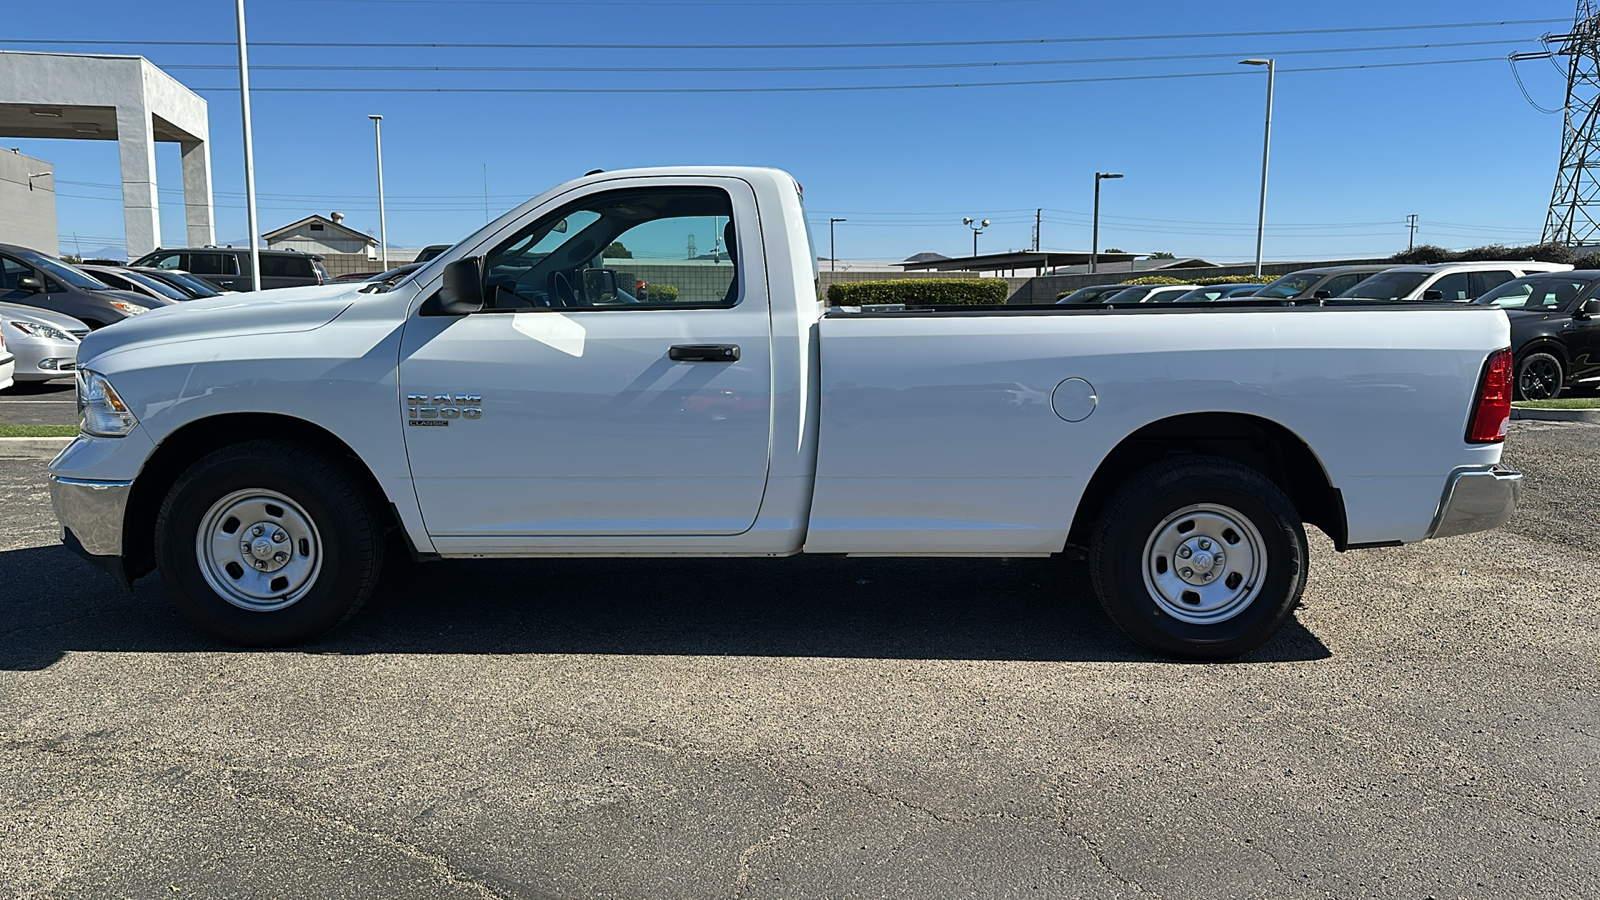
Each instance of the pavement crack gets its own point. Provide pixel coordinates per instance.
(438, 862)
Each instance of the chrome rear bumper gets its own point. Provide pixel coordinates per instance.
(1477, 500)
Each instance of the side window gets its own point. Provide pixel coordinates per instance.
(1338, 284)
(1456, 287)
(206, 263)
(11, 272)
(167, 261)
(285, 267)
(646, 248)
(1484, 282)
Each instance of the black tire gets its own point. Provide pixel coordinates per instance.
(1145, 512)
(1540, 376)
(343, 562)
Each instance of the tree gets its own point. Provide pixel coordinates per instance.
(1113, 250)
(617, 251)
(1162, 254)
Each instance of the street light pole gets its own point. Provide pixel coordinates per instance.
(1094, 251)
(833, 260)
(249, 154)
(1266, 152)
(976, 230)
(383, 229)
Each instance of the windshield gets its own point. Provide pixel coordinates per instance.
(1388, 285)
(157, 285)
(62, 272)
(1290, 286)
(192, 284)
(1096, 294)
(1127, 295)
(1543, 294)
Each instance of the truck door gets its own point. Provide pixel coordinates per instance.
(618, 383)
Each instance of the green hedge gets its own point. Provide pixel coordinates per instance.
(921, 292)
(663, 293)
(1429, 254)
(1155, 279)
(1232, 279)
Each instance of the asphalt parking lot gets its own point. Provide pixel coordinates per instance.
(40, 403)
(1429, 725)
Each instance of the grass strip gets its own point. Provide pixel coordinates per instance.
(38, 431)
(1561, 403)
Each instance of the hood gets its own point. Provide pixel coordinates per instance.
(280, 311)
(35, 314)
(134, 297)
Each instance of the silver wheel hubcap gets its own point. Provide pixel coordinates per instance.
(258, 550)
(1204, 564)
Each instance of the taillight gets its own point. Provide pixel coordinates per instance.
(1491, 414)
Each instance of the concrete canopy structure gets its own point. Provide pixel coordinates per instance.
(1038, 260)
(116, 98)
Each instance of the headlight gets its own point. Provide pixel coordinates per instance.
(37, 329)
(100, 411)
(132, 309)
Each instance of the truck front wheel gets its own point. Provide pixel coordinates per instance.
(1199, 557)
(268, 543)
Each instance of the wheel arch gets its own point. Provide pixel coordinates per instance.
(1264, 445)
(183, 447)
(1545, 344)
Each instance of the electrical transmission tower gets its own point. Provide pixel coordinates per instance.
(1574, 217)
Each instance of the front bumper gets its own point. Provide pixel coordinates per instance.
(1477, 499)
(91, 512)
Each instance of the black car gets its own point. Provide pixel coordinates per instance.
(229, 267)
(1555, 330)
(31, 278)
(1095, 293)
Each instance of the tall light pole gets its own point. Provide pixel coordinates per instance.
(1266, 152)
(977, 229)
(383, 229)
(1094, 252)
(249, 155)
(833, 261)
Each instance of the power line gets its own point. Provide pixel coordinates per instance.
(863, 45)
(810, 89)
(850, 68)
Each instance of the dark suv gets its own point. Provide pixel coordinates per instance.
(229, 267)
(1555, 330)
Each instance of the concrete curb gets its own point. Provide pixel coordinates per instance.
(1556, 415)
(32, 447)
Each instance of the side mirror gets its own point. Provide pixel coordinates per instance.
(1433, 295)
(1321, 295)
(600, 285)
(1589, 309)
(30, 284)
(462, 290)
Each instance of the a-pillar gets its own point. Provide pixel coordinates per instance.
(141, 211)
(197, 193)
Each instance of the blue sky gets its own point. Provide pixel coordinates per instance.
(1354, 151)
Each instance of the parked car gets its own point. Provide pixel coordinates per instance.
(1211, 292)
(260, 455)
(126, 279)
(1149, 293)
(44, 343)
(197, 288)
(229, 267)
(1445, 282)
(430, 251)
(30, 278)
(1092, 294)
(1317, 283)
(7, 365)
(1555, 330)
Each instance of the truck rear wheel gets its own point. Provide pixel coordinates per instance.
(268, 543)
(1199, 557)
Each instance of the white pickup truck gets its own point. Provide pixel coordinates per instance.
(636, 363)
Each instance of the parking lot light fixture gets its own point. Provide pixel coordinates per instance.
(1266, 151)
(383, 228)
(977, 229)
(1094, 251)
(833, 260)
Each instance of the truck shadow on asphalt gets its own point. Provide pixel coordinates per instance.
(977, 609)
